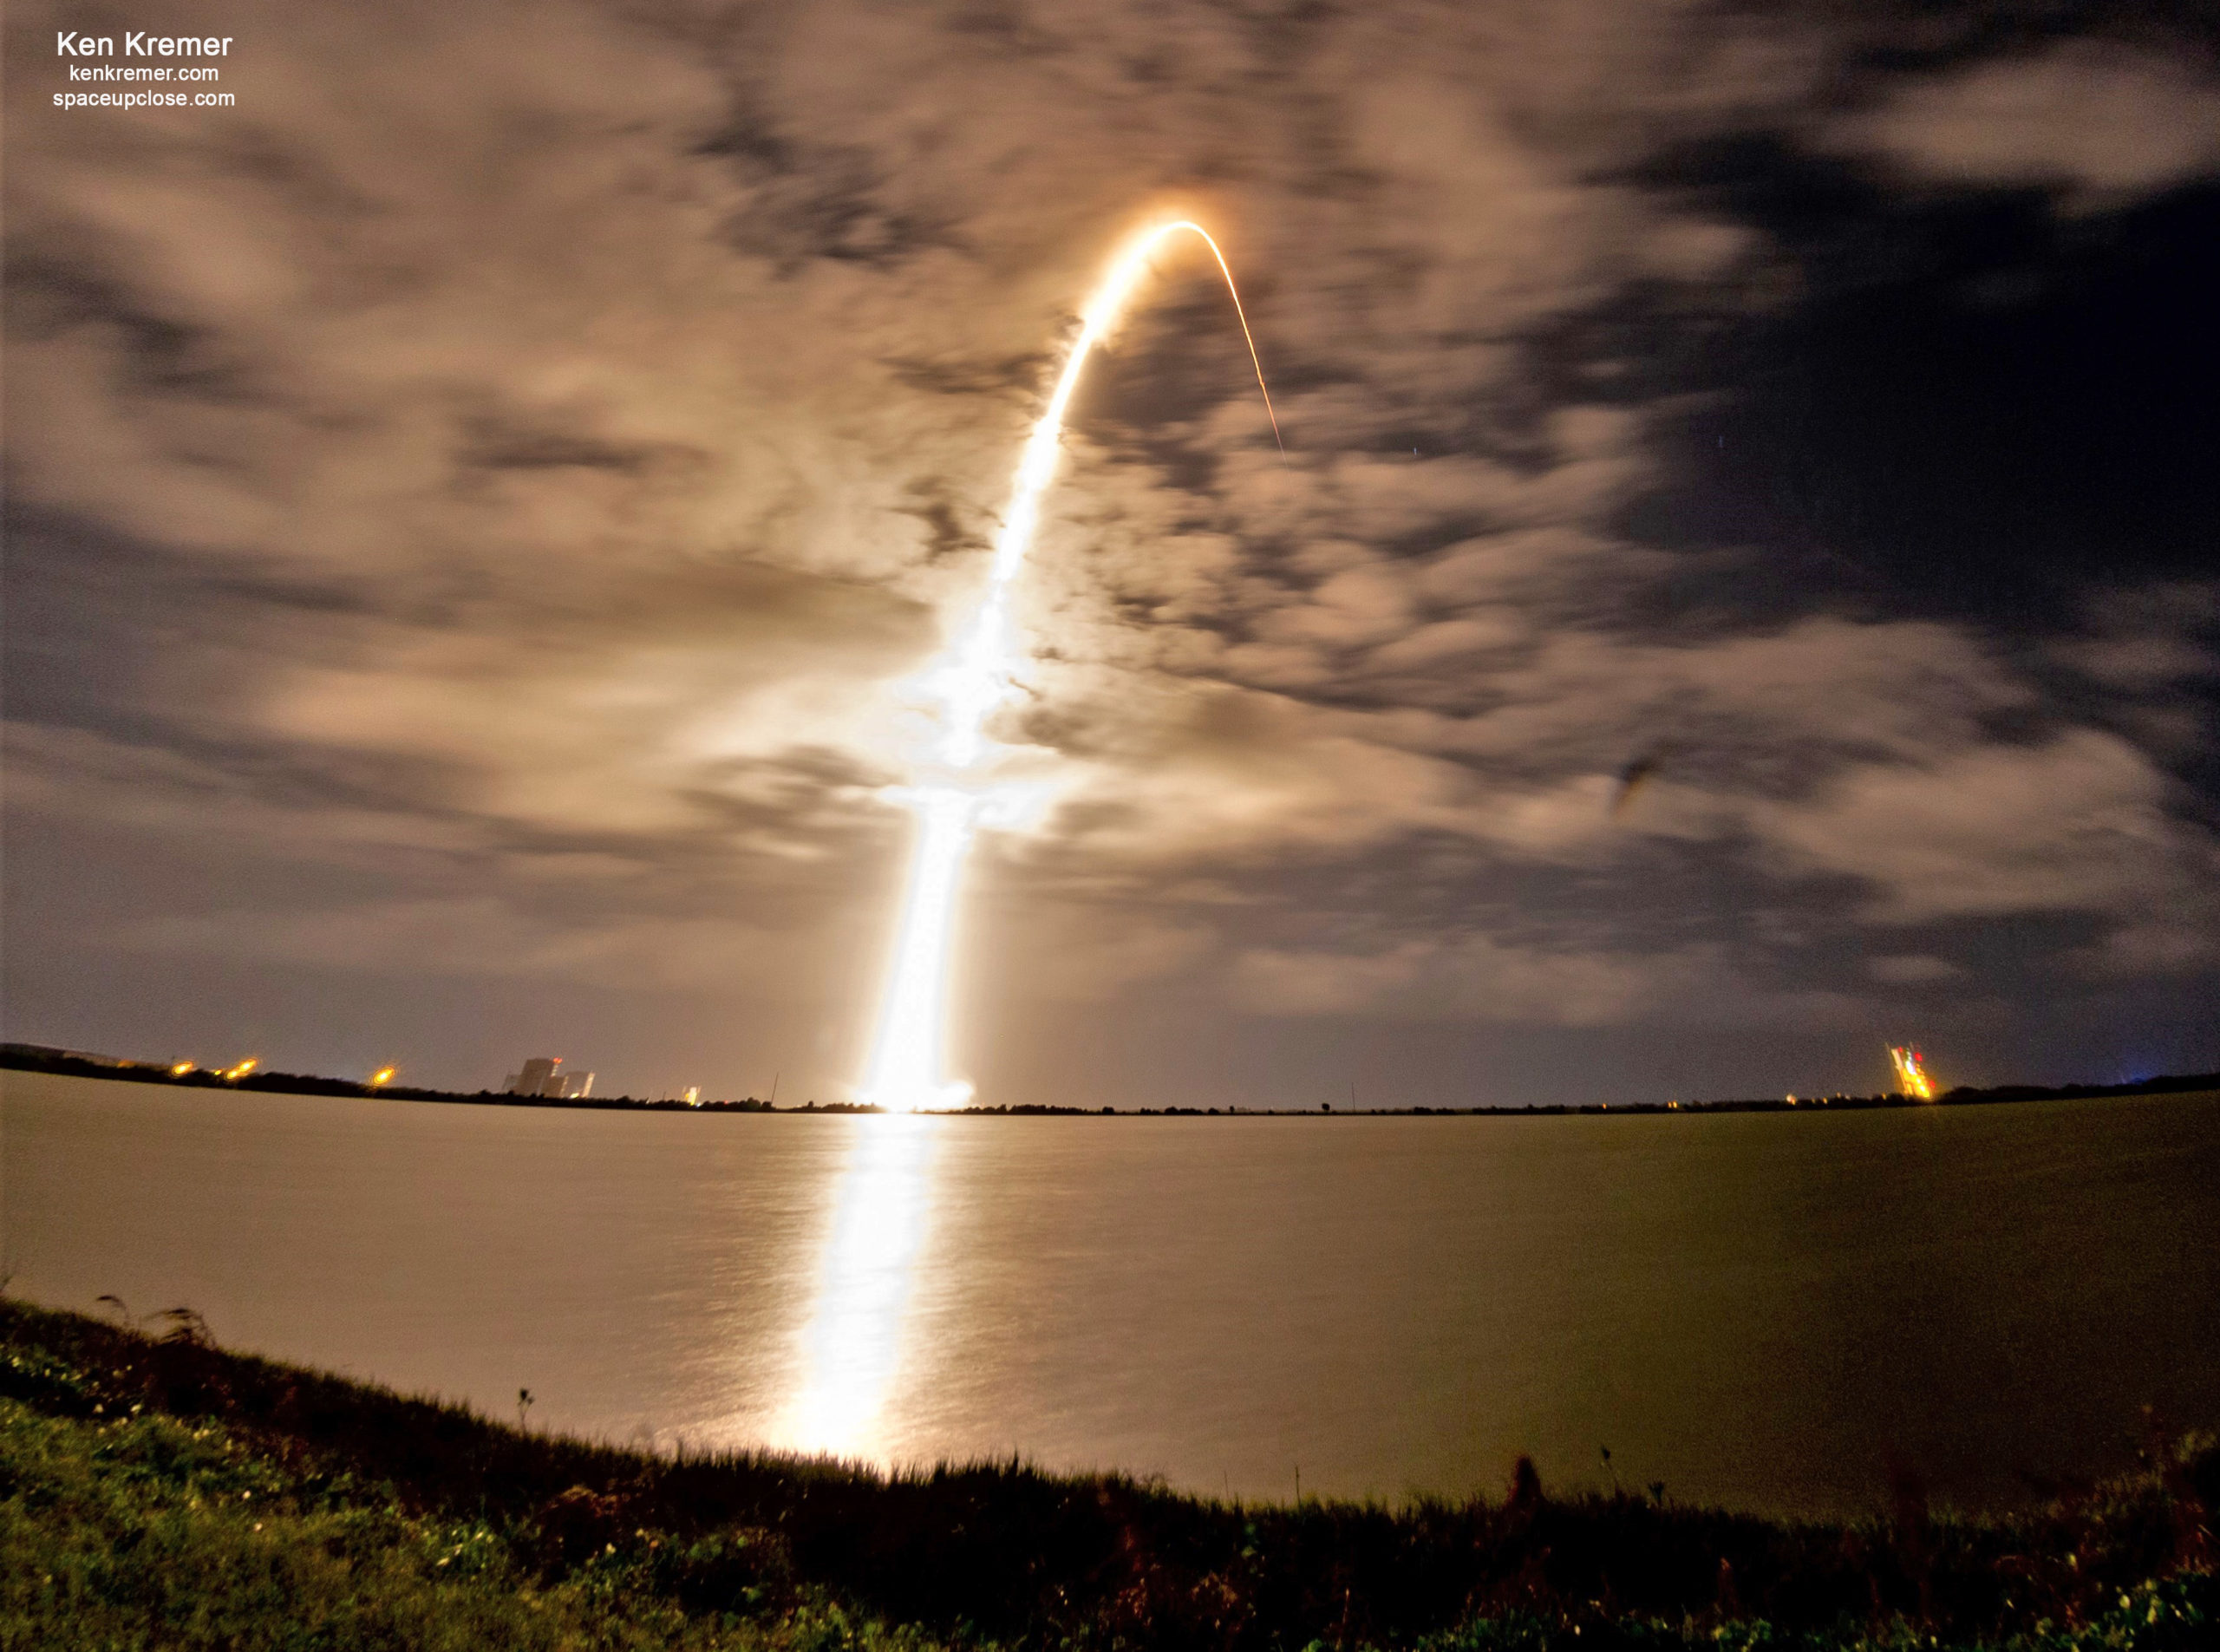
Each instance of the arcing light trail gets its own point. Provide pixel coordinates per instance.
(908, 1062)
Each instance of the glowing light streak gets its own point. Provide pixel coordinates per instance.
(913, 1027)
(853, 1345)
(908, 1062)
(1911, 1073)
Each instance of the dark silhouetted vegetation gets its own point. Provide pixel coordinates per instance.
(163, 1492)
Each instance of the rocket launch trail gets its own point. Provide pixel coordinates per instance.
(908, 1065)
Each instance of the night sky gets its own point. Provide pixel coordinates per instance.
(1741, 590)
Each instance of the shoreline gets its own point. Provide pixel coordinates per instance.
(41, 1058)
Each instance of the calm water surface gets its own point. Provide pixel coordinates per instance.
(1759, 1310)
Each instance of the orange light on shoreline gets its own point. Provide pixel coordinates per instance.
(233, 1074)
(382, 1076)
(1911, 1073)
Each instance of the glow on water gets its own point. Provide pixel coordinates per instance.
(1741, 1305)
(955, 788)
(851, 1346)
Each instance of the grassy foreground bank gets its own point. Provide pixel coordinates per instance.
(162, 1493)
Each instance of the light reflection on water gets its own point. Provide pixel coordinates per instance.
(1756, 1309)
(859, 1335)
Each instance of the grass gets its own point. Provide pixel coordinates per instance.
(166, 1493)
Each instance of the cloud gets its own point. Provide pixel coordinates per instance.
(2075, 823)
(1478, 979)
(469, 937)
(2100, 121)
(1036, 946)
(1474, 979)
(1912, 969)
(2148, 638)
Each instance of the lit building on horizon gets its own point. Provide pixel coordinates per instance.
(543, 1075)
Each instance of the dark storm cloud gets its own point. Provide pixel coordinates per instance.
(475, 512)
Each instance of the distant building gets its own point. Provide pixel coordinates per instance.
(538, 1073)
(543, 1075)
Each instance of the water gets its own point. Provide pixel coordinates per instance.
(1763, 1310)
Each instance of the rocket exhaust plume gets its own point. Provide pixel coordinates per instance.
(1911, 1073)
(908, 1065)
